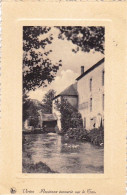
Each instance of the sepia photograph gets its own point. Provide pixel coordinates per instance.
(63, 99)
(63, 122)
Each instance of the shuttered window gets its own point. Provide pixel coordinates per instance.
(103, 78)
(90, 104)
(91, 84)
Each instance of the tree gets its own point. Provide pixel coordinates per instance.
(26, 104)
(70, 117)
(33, 121)
(38, 69)
(47, 101)
(31, 108)
(85, 38)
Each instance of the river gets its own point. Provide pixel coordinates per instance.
(63, 155)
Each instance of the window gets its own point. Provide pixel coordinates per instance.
(93, 122)
(90, 104)
(103, 96)
(91, 84)
(103, 77)
(84, 122)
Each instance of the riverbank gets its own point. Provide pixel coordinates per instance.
(36, 168)
(38, 131)
(95, 136)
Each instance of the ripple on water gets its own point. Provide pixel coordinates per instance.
(61, 155)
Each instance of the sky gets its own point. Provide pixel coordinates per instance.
(71, 64)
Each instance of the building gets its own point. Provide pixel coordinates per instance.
(90, 87)
(71, 95)
(47, 121)
(87, 95)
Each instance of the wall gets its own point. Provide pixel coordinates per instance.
(58, 114)
(92, 118)
(73, 100)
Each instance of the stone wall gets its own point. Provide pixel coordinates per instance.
(91, 97)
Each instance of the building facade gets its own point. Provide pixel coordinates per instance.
(90, 87)
(87, 96)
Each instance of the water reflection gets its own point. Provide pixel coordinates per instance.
(62, 155)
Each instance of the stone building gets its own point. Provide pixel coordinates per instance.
(87, 96)
(71, 95)
(90, 87)
(47, 121)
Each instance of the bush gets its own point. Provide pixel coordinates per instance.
(76, 133)
(70, 117)
(95, 136)
(33, 121)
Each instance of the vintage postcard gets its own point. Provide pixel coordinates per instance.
(63, 98)
(63, 119)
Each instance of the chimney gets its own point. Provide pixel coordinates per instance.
(82, 69)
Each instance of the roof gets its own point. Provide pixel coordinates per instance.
(49, 117)
(90, 69)
(69, 91)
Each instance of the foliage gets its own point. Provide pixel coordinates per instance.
(26, 104)
(70, 117)
(76, 120)
(85, 38)
(33, 121)
(47, 101)
(30, 109)
(95, 136)
(78, 133)
(38, 69)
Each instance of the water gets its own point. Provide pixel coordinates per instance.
(62, 155)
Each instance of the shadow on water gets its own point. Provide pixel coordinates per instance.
(62, 155)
